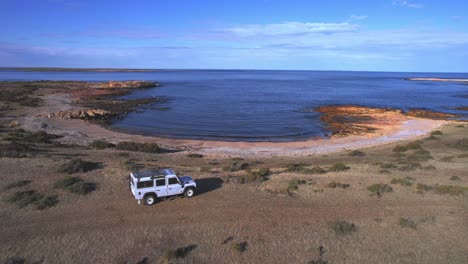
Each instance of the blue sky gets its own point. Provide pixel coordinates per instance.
(379, 35)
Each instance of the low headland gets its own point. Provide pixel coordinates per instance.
(386, 186)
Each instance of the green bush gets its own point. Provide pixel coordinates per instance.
(357, 153)
(75, 185)
(460, 144)
(236, 166)
(140, 147)
(181, 252)
(407, 181)
(407, 223)
(82, 188)
(339, 167)
(338, 185)
(14, 150)
(379, 189)
(387, 166)
(34, 137)
(447, 158)
(429, 167)
(450, 189)
(101, 144)
(47, 202)
(240, 247)
(17, 184)
(400, 148)
(194, 155)
(420, 155)
(131, 165)
(24, 198)
(342, 227)
(78, 165)
(421, 188)
(293, 185)
(411, 166)
(67, 182)
(257, 175)
(436, 133)
(455, 178)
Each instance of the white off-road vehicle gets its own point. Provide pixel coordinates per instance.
(150, 185)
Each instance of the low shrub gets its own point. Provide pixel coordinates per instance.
(302, 168)
(24, 198)
(293, 185)
(82, 188)
(419, 155)
(17, 184)
(384, 171)
(411, 166)
(75, 185)
(240, 247)
(101, 144)
(388, 166)
(67, 182)
(14, 150)
(400, 148)
(379, 189)
(78, 165)
(34, 137)
(139, 147)
(257, 175)
(320, 260)
(407, 181)
(338, 185)
(181, 252)
(339, 167)
(47, 202)
(436, 133)
(429, 167)
(421, 188)
(407, 223)
(411, 145)
(236, 166)
(460, 144)
(414, 144)
(450, 189)
(447, 158)
(455, 178)
(317, 170)
(342, 227)
(194, 155)
(357, 153)
(131, 165)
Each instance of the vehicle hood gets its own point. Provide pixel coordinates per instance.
(186, 179)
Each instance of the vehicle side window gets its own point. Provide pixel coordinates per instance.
(145, 184)
(160, 182)
(173, 181)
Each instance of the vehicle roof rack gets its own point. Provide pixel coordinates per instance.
(153, 173)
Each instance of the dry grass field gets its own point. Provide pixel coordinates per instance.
(386, 204)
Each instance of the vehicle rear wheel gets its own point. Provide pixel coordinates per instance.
(150, 199)
(189, 192)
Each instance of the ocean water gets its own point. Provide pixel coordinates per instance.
(247, 105)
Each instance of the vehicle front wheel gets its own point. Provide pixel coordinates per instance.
(189, 192)
(150, 199)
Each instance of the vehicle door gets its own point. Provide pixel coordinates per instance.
(160, 187)
(173, 186)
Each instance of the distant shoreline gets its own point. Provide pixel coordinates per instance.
(438, 80)
(53, 69)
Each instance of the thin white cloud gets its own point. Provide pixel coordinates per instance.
(408, 4)
(357, 17)
(290, 28)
